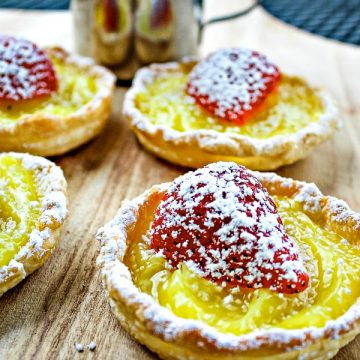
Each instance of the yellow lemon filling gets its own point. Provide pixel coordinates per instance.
(75, 89)
(293, 106)
(333, 266)
(19, 207)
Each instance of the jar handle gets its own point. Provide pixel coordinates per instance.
(199, 6)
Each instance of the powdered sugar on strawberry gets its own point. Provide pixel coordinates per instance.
(232, 83)
(222, 223)
(25, 70)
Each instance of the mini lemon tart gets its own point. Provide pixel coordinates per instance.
(225, 263)
(235, 105)
(32, 211)
(50, 101)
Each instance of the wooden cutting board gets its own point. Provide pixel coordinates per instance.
(63, 303)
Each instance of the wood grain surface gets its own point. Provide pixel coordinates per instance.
(63, 303)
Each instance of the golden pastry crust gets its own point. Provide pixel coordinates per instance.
(176, 338)
(198, 148)
(47, 134)
(51, 185)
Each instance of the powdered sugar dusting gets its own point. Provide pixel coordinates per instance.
(162, 323)
(232, 81)
(221, 222)
(51, 187)
(280, 149)
(342, 214)
(25, 70)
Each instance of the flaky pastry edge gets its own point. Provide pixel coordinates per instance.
(175, 338)
(206, 146)
(48, 134)
(51, 186)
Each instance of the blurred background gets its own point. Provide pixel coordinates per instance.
(335, 19)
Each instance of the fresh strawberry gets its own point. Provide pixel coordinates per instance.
(222, 223)
(233, 83)
(25, 70)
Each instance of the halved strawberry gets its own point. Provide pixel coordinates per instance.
(222, 223)
(25, 70)
(232, 83)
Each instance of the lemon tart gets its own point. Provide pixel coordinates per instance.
(32, 211)
(50, 101)
(225, 263)
(235, 105)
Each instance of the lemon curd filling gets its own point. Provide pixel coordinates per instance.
(19, 207)
(75, 89)
(333, 266)
(287, 110)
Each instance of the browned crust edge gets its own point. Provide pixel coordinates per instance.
(198, 148)
(49, 135)
(175, 338)
(43, 238)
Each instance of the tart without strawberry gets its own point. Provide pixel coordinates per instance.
(226, 263)
(50, 101)
(234, 105)
(33, 208)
